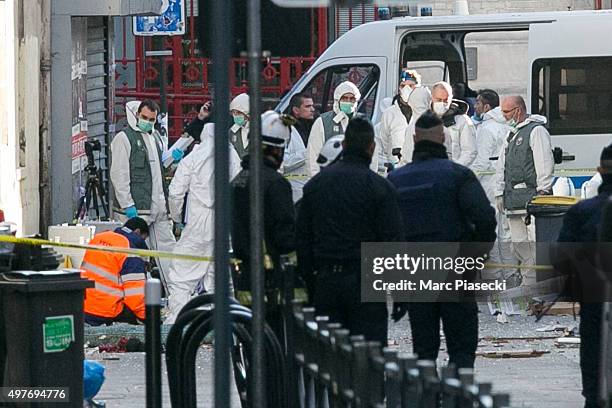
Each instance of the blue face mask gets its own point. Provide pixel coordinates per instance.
(476, 117)
(347, 107)
(145, 125)
(239, 120)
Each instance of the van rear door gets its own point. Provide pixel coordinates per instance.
(571, 85)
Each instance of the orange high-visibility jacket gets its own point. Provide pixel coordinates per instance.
(119, 278)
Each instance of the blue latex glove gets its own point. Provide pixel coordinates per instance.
(177, 155)
(131, 212)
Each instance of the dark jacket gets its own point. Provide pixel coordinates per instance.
(442, 201)
(279, 214)
(344, 205)
(582, 221)
(303, 127)
(575, 255)
(194, 128)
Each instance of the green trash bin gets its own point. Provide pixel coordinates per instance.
(548, 212)
(42, 315)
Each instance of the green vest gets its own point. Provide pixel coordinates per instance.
(519, 168)
(141, 180)
(236, 140)
(330, 128)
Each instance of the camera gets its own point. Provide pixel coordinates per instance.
(90, 147)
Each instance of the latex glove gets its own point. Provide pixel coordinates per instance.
(399, 311)
(131, 212)
(177, 155)
(499, 203)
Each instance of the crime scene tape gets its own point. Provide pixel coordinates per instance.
(558, 173)
(507, 266)
(130, 251)
(171, 255)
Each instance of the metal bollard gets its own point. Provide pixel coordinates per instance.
(376, 367)
(341, 371)
(451, 387)
(429, 384)
(410, 375)
(501, 401)
(485, 400)
(469, 391)
(359, 372)
(393, 378)
(153, 343)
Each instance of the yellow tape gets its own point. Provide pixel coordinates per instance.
(130, 251)
(507, 266)
(558, 173)
(296, 177)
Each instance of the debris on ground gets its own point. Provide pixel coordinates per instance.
(567, 342)
(557, 309)
(124, 345)
(530, 353)
(551, 328)
(502, 318)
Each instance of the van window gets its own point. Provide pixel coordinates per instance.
(575, 94)
(322, 86)
(430, 71)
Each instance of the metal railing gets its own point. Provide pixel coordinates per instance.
(335, 369)
(318, 363)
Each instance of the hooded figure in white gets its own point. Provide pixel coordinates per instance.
(195, 176)
(394, 121)
(490, 135)
(346, 98)
(239, 132)
(458, 127)
(420, 102)
(160, 226)
(379, 157)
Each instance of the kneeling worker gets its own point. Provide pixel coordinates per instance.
(120, 278)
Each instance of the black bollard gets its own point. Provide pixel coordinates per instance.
(153, 343)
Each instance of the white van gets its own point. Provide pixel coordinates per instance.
(560, 61)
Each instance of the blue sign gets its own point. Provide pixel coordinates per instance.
(171, 21)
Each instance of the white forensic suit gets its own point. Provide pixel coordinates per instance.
(461, 138)
(490, 135)
(590, 187)
(239, 134)
(523, 236)
(393, 127)
(317, 137)
(294, 164)
(194, 177)
(420, 102)
(160, 226)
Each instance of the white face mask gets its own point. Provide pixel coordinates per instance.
(439, 108)
(405, 93)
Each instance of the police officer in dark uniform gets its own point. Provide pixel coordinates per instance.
(344, 205)
(442, 201)
(582, 225)
(279, 214)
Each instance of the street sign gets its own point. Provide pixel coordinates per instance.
(343, 3)
(171, 20)
(58, 333)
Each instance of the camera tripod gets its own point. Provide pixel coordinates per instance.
(93, 189)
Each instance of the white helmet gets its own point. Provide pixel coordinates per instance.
(330, 151)
(275, 129)
(240, 103)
